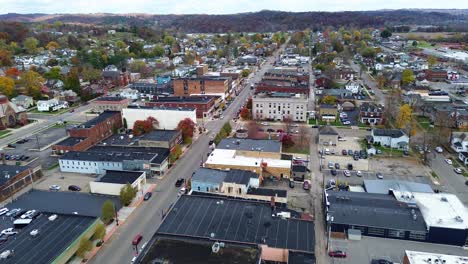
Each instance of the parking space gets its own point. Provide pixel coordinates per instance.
(365, 175)
(399, 166)
(343, 161)
(352, 116)
(363, 251)
(64, 180)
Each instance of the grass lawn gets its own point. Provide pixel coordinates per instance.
(337, 122)
(312, 121)
(4, 133)
(61, 111)
(297, 149)
(434, 175)
(56, 165)
(424, 122)
(424, 44)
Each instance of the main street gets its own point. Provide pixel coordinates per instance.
(367, 80)
(146, 219)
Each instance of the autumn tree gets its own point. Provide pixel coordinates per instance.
(431, 61)
(245, 73)
(13, 73)
(90, 74)
(141, 127)
(32, 82)
(72, 81)
(187, 127)
(30, 44)
(286, 140)
(407, 77)
(245, 113)
(381, 81)
(5, 58)
(253, 129)
(405, 115)
(7, 86)
(52, 46)
(329, 99)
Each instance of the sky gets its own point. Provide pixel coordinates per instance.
(213, 6)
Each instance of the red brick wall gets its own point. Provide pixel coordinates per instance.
(200, 108)
(211, 86)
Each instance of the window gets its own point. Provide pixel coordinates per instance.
(207, 189)
(421, 235)
(396, 233)
(198, 187)
(376, 231)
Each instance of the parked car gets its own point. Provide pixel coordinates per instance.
(9, 231)
(13, 211)
(359, 173)
(381, 261)
(347, 123)
(347, 173)
(379, 175)
(264, 123)
(54, 187)
(4, 210)
(270, 130)
(337, 254)
(331, 165)
(74, 188)
(179, 182)
(458, 171)
(341, 139)
(350, 166)
(306, 185)
(291, 184)
(344, 152)
(331, 183)
(28, 214)
(314, 126)
(356, 157)
(147, 196)
(11, 146)
(333, 172)
(182, 191)
(337, 166)
(350, 152)
(439, 149)
(136, 240)
(210, 142)
(449, 161)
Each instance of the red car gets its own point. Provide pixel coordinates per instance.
(337, 254)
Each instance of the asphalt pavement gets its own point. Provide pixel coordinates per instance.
(146, 219)
(379, 96)
(449, 180)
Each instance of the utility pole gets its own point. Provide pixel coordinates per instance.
(37, 140)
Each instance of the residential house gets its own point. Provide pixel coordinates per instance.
(393, 138)
(112, 74)
(463, 157)
(327, 135)
(11, 114)
(23, 101)
(51, 105)
(459, 142)
(371, 113)
(328, 112)
(353, 86)
(68, 96)
(130, 94)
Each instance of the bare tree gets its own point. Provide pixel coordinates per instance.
(304, 137)
(392, 105)
(287, 120)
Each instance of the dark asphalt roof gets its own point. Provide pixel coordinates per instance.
(299, 168)
(120, 177)
(250, 144)
(101, 118)
(71, 141)
(300, 258)
(63, 202)
(240, 176)
(194, 251)
(184, 99)
(118, 154)
(327, 130)
(209, 175)
(53, 239)
(373, 210)
(267, 192)
(111, 98)
(160, 135)
(328, 106)
(383, 186)
(222, 219)
(161, 108)
(9, 171)
(394, 133)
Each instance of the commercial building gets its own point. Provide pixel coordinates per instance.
(204, 105)
(113, 181)
(14, 178)
(259, 148)
(417, 257)
(436, 75)
(10, 114)
(110, 103)
(282, 86)
(233, 221)
(168, 118)
(265, 167)
(327, 136)
(90, 133)
(279, 106)
(158, 138)
(202, 85)
(282, 74)
(97, 160)
(393, 138)
(328, 112)
(153, 88)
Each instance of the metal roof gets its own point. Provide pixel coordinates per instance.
(247, 144)
(383, 186)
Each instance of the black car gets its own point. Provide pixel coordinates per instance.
(260, 129)
(356, 157)
(179, 182)
(315, 126)
(271, 130)
(11, 146)
(350, 166)
(147, 196)
(211, 142)
(74, 188)
(337, 166)
(381, 261)
(291, 184)
(333, 172)
(19, 213)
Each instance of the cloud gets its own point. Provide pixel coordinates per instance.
(211, 6)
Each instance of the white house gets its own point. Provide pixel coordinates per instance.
(379, 66)
(130, 94)
(113, 181)
(23, 101)
(168, 118)
(50, 105)
(463, 156)
(352, 86)
(459, 142)
(394, 138)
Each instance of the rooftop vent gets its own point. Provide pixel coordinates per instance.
(443, 199)
(458, 219)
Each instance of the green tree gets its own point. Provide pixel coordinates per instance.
(100, 231)
(245, 73)
(53, 74)
(32, 82)
(407, 77)
(329, 99)
(368, 52)
(30, 44)
(175, 153)
(125, 124)
(138, 66)
(386, 33)
(157, 51)
(414, 44)
(72, 81)
(90, 74)
(107, 212)
(169, 40)
(83, 248)
(431, 61)
(120, 44)
(188, 140)
(52, 46)
(127, 193)
(7, 86)
(227, 128)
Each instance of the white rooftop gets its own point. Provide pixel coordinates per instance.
(416, 257)
(442, 210)
(229, 157)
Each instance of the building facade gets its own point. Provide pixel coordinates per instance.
(10, 114)
(110, 103)
(206, 85)
(204, 105)
(280, 106)
(168, 118)
(370, 113)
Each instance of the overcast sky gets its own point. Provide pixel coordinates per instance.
(212, 6)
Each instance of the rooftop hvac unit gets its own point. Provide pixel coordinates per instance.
(52, 217)
(443, 199)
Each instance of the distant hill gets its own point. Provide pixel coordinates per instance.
(258, 21)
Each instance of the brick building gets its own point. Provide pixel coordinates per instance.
(206, 85)
(14, 178)
(90, 133)
(370, 113)
(282, 86)
(10, 114)
(203, 104)
(110, 103)
(436, 75)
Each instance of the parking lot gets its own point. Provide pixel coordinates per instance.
(355, 180)
(346, 144)
(363, 251)
(64, 179)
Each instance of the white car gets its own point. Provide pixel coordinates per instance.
(181, 191)
(439, 149)
(294, 125)
(28, 214)
(54, 187)
(4, 211)
(9, 231)
(449, 161)
(341, 139)
(458, 171)
(13, 211)
(347, 173)
(264, 123)
(346, 123)
(359, 173)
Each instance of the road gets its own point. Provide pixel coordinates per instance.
(449, 180)
(146, 219)
(367, 80)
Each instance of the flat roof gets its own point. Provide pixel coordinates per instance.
(84, 204)
(185, 99)
(120, 177)
(300, 258)
(195, 251)
(160, 135)
(442, 210)
(241, 221)
(209, 175)
(100, 118)
(111, 98)
(229, 157)
(141, 107)
(418, 257)
(394, 133)
(118, 154)
(9, 171)
(53, 238)
(70, 141)
(373, 210)
(262, 145)
(267, 192)
(383, 186)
